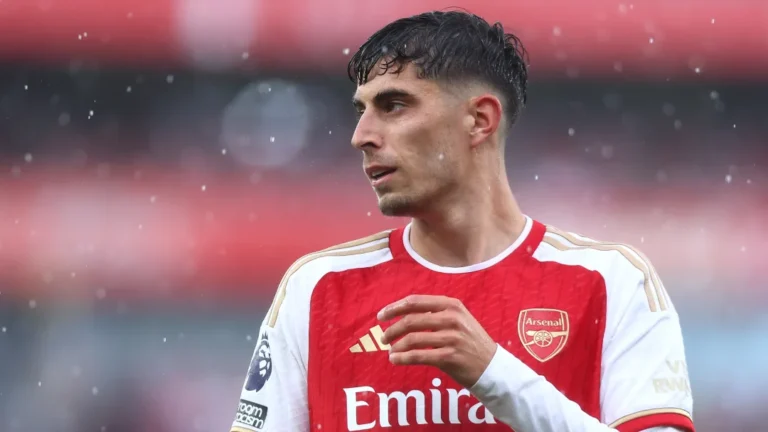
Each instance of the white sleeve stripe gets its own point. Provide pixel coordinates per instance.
(357, 247)
(651, 281)
(651, 412)
(241, 429)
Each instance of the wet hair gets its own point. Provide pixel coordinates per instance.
(451, 46)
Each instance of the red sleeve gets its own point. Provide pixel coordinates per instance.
(655, 418)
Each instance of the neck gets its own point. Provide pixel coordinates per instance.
(475, 226)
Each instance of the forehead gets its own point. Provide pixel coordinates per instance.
(405, 80)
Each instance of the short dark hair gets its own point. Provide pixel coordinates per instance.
(451, 45)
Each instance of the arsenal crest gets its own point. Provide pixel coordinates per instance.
(543, 332)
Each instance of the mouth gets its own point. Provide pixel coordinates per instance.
(380, 175)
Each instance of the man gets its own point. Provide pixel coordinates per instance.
(473, 316)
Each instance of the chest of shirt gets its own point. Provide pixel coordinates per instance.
(550, 317)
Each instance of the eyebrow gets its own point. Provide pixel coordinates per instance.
(384, 95)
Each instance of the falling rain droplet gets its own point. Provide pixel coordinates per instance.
(345, 51)
(571, 132)
(95, 391)
(271, 139)
(202, 188)
(223, 151)
(728, 178)
(169, 79)
(28, 157)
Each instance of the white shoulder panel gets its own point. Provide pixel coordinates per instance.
(643, 372)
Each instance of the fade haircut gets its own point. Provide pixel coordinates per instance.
(453, 47)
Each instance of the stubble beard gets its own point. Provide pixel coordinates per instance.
(397, 205)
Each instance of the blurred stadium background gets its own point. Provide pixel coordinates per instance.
(162, 162)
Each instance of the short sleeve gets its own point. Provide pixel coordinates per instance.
(644, 372)
(274, 394)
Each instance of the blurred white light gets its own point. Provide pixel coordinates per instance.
(215, 36)
(556, 31)
(345, 51)
(169, 79)
(202, 188)
(259, 114)
(571, 132)
(28, 157)
(95, 391)
(728, 178)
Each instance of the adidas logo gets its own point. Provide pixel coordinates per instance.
(371, 342)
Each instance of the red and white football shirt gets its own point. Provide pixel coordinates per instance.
(588, 340)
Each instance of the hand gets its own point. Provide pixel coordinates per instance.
(438, 331)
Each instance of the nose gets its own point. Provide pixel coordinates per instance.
(367, 135)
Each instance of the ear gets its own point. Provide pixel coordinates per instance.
(487, 115)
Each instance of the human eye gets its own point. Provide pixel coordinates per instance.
(394, 106)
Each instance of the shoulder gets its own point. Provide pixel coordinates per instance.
(301, 277)
(623, 267)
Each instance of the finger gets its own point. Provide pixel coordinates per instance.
(416, 304)
(429, 357)
(422, 340)
(416, 323)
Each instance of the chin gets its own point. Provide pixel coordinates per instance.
(396, 205)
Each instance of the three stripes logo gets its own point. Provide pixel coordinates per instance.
(371, 342)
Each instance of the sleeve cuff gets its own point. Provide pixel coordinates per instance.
(669, 417)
